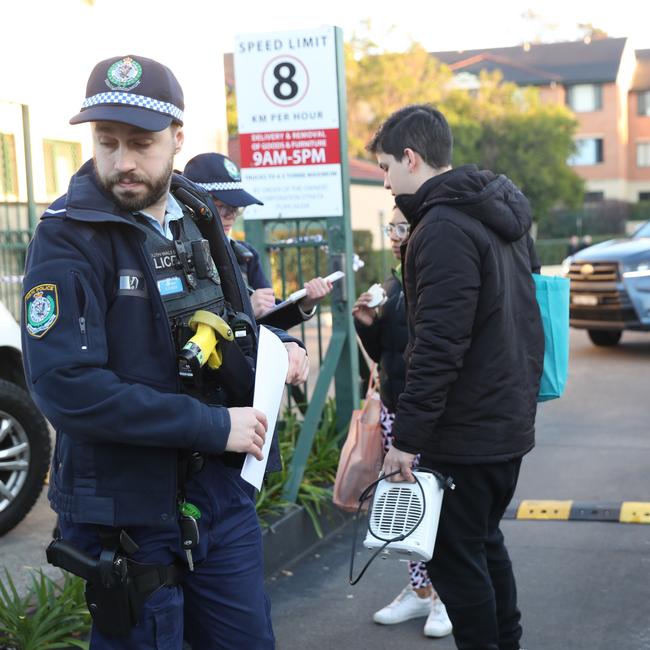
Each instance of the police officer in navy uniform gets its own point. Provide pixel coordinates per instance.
(221, 177)
(145, 475)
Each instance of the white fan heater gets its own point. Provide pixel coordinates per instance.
(409, 509)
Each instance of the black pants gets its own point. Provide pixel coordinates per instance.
(470, 568)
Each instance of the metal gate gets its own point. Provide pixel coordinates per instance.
(295, 251)
(18, 210)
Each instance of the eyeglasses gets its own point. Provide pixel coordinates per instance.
(226, 210)
(401, 230)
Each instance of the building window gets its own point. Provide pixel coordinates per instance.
(8, 168)
(643, 102)
(644, 196)
(584, 98)
(594, 197)
(643, 154)
(62, 159)
(589, 151)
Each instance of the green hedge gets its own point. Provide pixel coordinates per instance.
(553, 251)
(377, 264)
(640, 211)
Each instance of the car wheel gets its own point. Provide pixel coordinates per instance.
(25, 449)
(605, 337)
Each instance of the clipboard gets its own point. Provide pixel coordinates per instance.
(294, 297)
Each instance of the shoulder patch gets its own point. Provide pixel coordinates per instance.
(58, 208)
(41, 309)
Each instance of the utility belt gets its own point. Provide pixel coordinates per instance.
(116, 585)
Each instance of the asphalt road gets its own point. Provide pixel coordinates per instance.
(582, 585)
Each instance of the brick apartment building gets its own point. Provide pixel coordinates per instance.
(605, 82)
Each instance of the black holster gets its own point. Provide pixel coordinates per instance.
(110, 597)
(116, 586)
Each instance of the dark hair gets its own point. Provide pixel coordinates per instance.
(420, 127)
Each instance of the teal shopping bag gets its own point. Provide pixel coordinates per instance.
(553, 300)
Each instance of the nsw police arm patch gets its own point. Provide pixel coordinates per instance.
(41, 309)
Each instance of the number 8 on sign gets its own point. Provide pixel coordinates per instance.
(285, 80)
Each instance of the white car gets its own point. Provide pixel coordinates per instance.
(25, 443)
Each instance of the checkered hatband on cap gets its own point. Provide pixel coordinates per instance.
(220, 187)
(133, 100)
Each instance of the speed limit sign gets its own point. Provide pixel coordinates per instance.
(287, 91)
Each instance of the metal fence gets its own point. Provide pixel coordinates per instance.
(14, 238)
(17, 218)
(294, 251)
(297, 252)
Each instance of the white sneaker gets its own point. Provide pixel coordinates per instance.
(407, 605)
(438, 623)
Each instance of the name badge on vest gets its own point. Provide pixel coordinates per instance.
(170, 286)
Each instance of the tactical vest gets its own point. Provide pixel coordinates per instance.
(188, 280)
(243, 257)
(186, 276)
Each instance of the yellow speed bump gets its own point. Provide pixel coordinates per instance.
(544, 509)
(635, 512)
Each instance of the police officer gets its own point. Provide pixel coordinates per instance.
(145, 475)
(221, 177)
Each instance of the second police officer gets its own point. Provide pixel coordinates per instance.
(221, 178)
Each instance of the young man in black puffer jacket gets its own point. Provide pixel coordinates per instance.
(473, 362)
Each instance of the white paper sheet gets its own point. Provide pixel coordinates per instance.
(272, 367)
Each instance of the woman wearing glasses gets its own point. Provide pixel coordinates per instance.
(382, 330)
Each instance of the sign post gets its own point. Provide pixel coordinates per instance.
(291, 107)
(289, 123)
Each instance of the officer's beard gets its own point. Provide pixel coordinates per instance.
(133, 201)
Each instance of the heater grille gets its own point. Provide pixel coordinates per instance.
(396, 511)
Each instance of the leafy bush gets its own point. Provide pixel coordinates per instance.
(315, 493)
(51, 615)
(601, 218)
(553, 251)
(376, 263)
(640, 211)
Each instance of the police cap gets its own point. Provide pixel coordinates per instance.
(133, 90)
(220, 176)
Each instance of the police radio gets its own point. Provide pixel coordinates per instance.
(402, 517)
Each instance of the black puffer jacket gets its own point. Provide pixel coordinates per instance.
(476, 343)
(385, 341)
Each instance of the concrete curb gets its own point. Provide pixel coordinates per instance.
(293, 535)
(625, 512)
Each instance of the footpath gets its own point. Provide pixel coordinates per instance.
(583, 585)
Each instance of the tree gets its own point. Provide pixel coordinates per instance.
(379, 83)
(543, 31)
(591, 33)
(509, 130)
(496, 125)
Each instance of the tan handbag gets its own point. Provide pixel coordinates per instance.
(362, 455)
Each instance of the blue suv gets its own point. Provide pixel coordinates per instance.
(610, 287)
